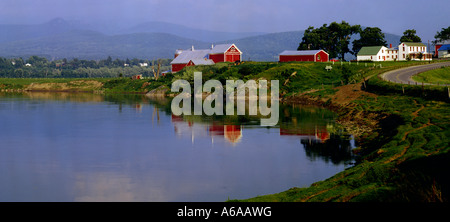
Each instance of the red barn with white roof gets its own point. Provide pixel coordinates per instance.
(225, 53)
(304, 56)
(218, 53)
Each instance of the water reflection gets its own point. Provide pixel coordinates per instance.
(232, 133)
(309, 124)
(87, 147)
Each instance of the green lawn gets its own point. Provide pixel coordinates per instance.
(441, 76)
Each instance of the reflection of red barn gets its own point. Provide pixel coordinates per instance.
(304, 56)
(320, 133)
(232, 133)
(218, 53)
(176, 118)
(216, 130)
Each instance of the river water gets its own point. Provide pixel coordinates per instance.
(68, 147)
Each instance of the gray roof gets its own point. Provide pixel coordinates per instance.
(203, 61)
(188, 55)
(221, 48)
(301, 52)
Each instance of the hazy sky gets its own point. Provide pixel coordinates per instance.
(392, 16)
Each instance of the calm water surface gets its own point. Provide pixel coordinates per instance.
(85, 147)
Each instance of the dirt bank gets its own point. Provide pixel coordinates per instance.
(356, 122)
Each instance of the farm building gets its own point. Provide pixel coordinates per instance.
(374, 53)
(444, 51)
(136, 77)
(304, 56)
(218, 53)
(411, 50)
(438, 45)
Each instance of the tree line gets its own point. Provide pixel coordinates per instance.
(38, 67)
(335, 38)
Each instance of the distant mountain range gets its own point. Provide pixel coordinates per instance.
(59, 39)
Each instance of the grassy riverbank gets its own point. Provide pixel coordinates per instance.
(402, 133)
(100, 85)
(404, 157)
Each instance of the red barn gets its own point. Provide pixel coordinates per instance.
(304, 56)
(218, 53)
(225, 53)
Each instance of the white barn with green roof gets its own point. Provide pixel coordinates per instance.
(372, 53)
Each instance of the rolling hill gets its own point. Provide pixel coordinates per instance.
(61, 39)
(87, 44)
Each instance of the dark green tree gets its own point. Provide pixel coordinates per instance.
(370, 36)
(333, 38)
(75, 63)
(108, 61)
(314, 38)
(443, 35)
(410, 36)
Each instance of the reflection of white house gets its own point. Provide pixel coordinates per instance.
(188, 129)
(231, 133)
(411, 50)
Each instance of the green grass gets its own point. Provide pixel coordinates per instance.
(437, 76)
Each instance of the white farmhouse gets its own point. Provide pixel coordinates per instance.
(413, 51)
(392, 54)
